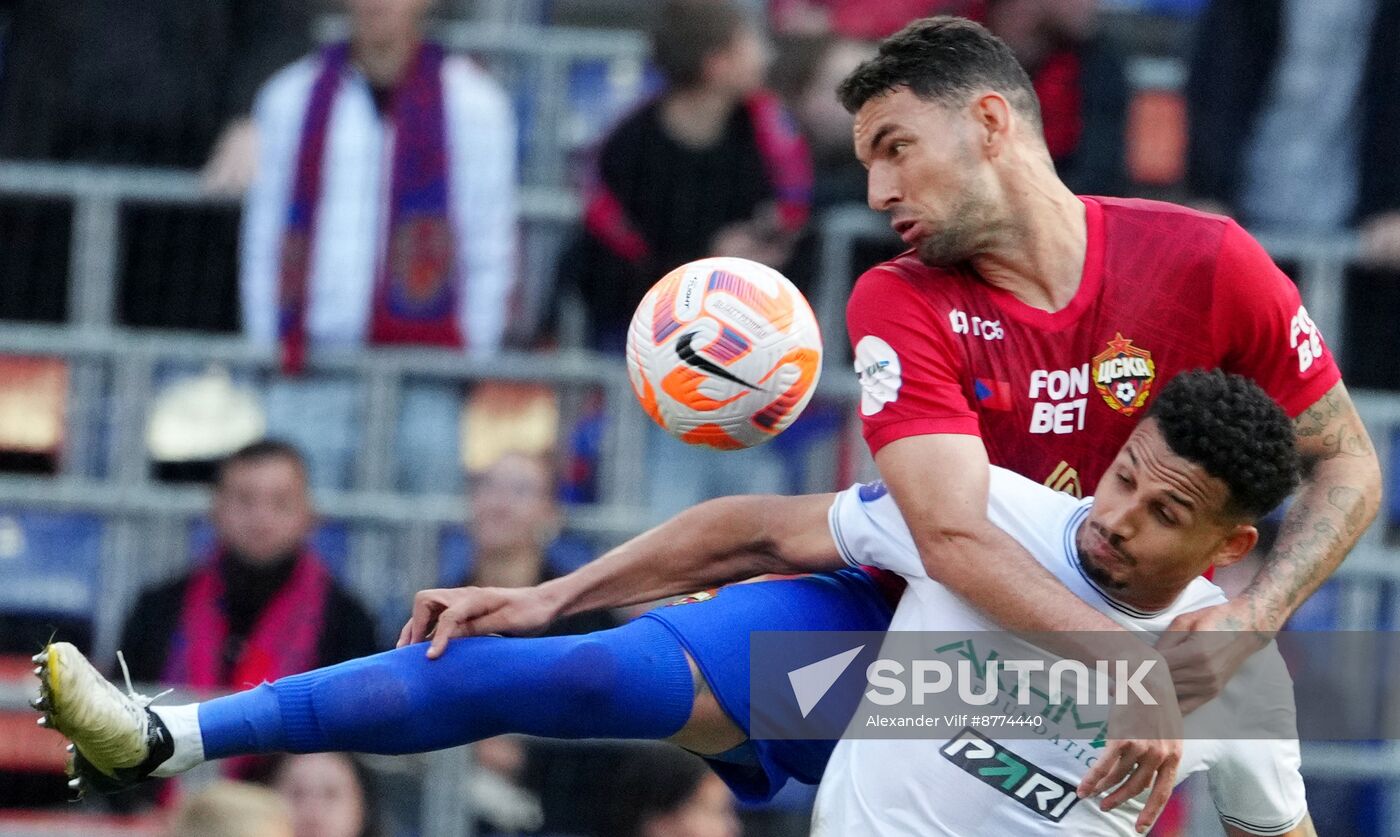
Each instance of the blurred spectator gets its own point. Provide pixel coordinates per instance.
(807, 72)
(264, 606)
(136, 82)
(860, 19)
(1081, 82)
(232, 809)
(514, 515)
(713, 166)
(330, 794)
(1294, 130)
(668, 792)
(383, 213)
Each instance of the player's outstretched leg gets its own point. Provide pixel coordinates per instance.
(628, 682)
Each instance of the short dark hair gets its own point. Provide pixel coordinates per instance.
(261, 451)
(943, 59)
(689, 31)
(1230, 427)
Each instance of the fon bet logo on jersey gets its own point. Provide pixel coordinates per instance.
(1049, 389)
(878, 368)
(1123, 374)
(1305, 339)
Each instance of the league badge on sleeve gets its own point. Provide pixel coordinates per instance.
(877, 366)
(1123, 374)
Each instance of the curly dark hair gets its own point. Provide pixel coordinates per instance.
(1230, 427)
(943, 59)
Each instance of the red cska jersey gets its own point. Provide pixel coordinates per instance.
(1054, 395)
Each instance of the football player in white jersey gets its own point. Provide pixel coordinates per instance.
(1213, 455)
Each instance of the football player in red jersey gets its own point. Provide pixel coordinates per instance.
(1026, 326)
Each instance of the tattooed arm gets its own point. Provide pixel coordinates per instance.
(1340, 495)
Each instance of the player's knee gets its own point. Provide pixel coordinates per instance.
(590, 674)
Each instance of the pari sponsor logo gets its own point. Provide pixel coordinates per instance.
(1039, 790)
(893, 683)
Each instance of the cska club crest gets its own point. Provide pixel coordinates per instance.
(1123, 374)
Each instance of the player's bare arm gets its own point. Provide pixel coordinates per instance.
(1304, 829)
(716, 542)
(1339, 498)
(965, 552)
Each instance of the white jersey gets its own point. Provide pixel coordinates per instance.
(913, 787)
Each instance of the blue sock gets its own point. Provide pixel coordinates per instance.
(628, 682)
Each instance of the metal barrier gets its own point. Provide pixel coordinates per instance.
(98, 193)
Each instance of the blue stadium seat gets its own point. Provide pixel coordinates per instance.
(331, 541)
(49, 563)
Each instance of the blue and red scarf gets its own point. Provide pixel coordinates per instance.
(416, 295)
(283, 639)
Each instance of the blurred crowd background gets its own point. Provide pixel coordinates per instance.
(308, 304)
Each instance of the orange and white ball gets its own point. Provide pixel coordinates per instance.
(724, 352)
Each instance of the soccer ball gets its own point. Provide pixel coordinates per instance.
(724, 352)
(1126, 392)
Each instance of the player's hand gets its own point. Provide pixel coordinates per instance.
(1143, 750)
(1206, 647)
(445, 614)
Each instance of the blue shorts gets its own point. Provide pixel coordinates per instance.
(715, 632)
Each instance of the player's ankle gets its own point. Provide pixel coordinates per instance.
(183, 746)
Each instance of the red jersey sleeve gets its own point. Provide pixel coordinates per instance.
(910, 370)
(1262, 330)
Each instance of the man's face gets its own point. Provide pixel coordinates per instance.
(261, 509)
(1158, 521)
(927, 171)
(740, 67)
(512, 506)
(378, 21)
